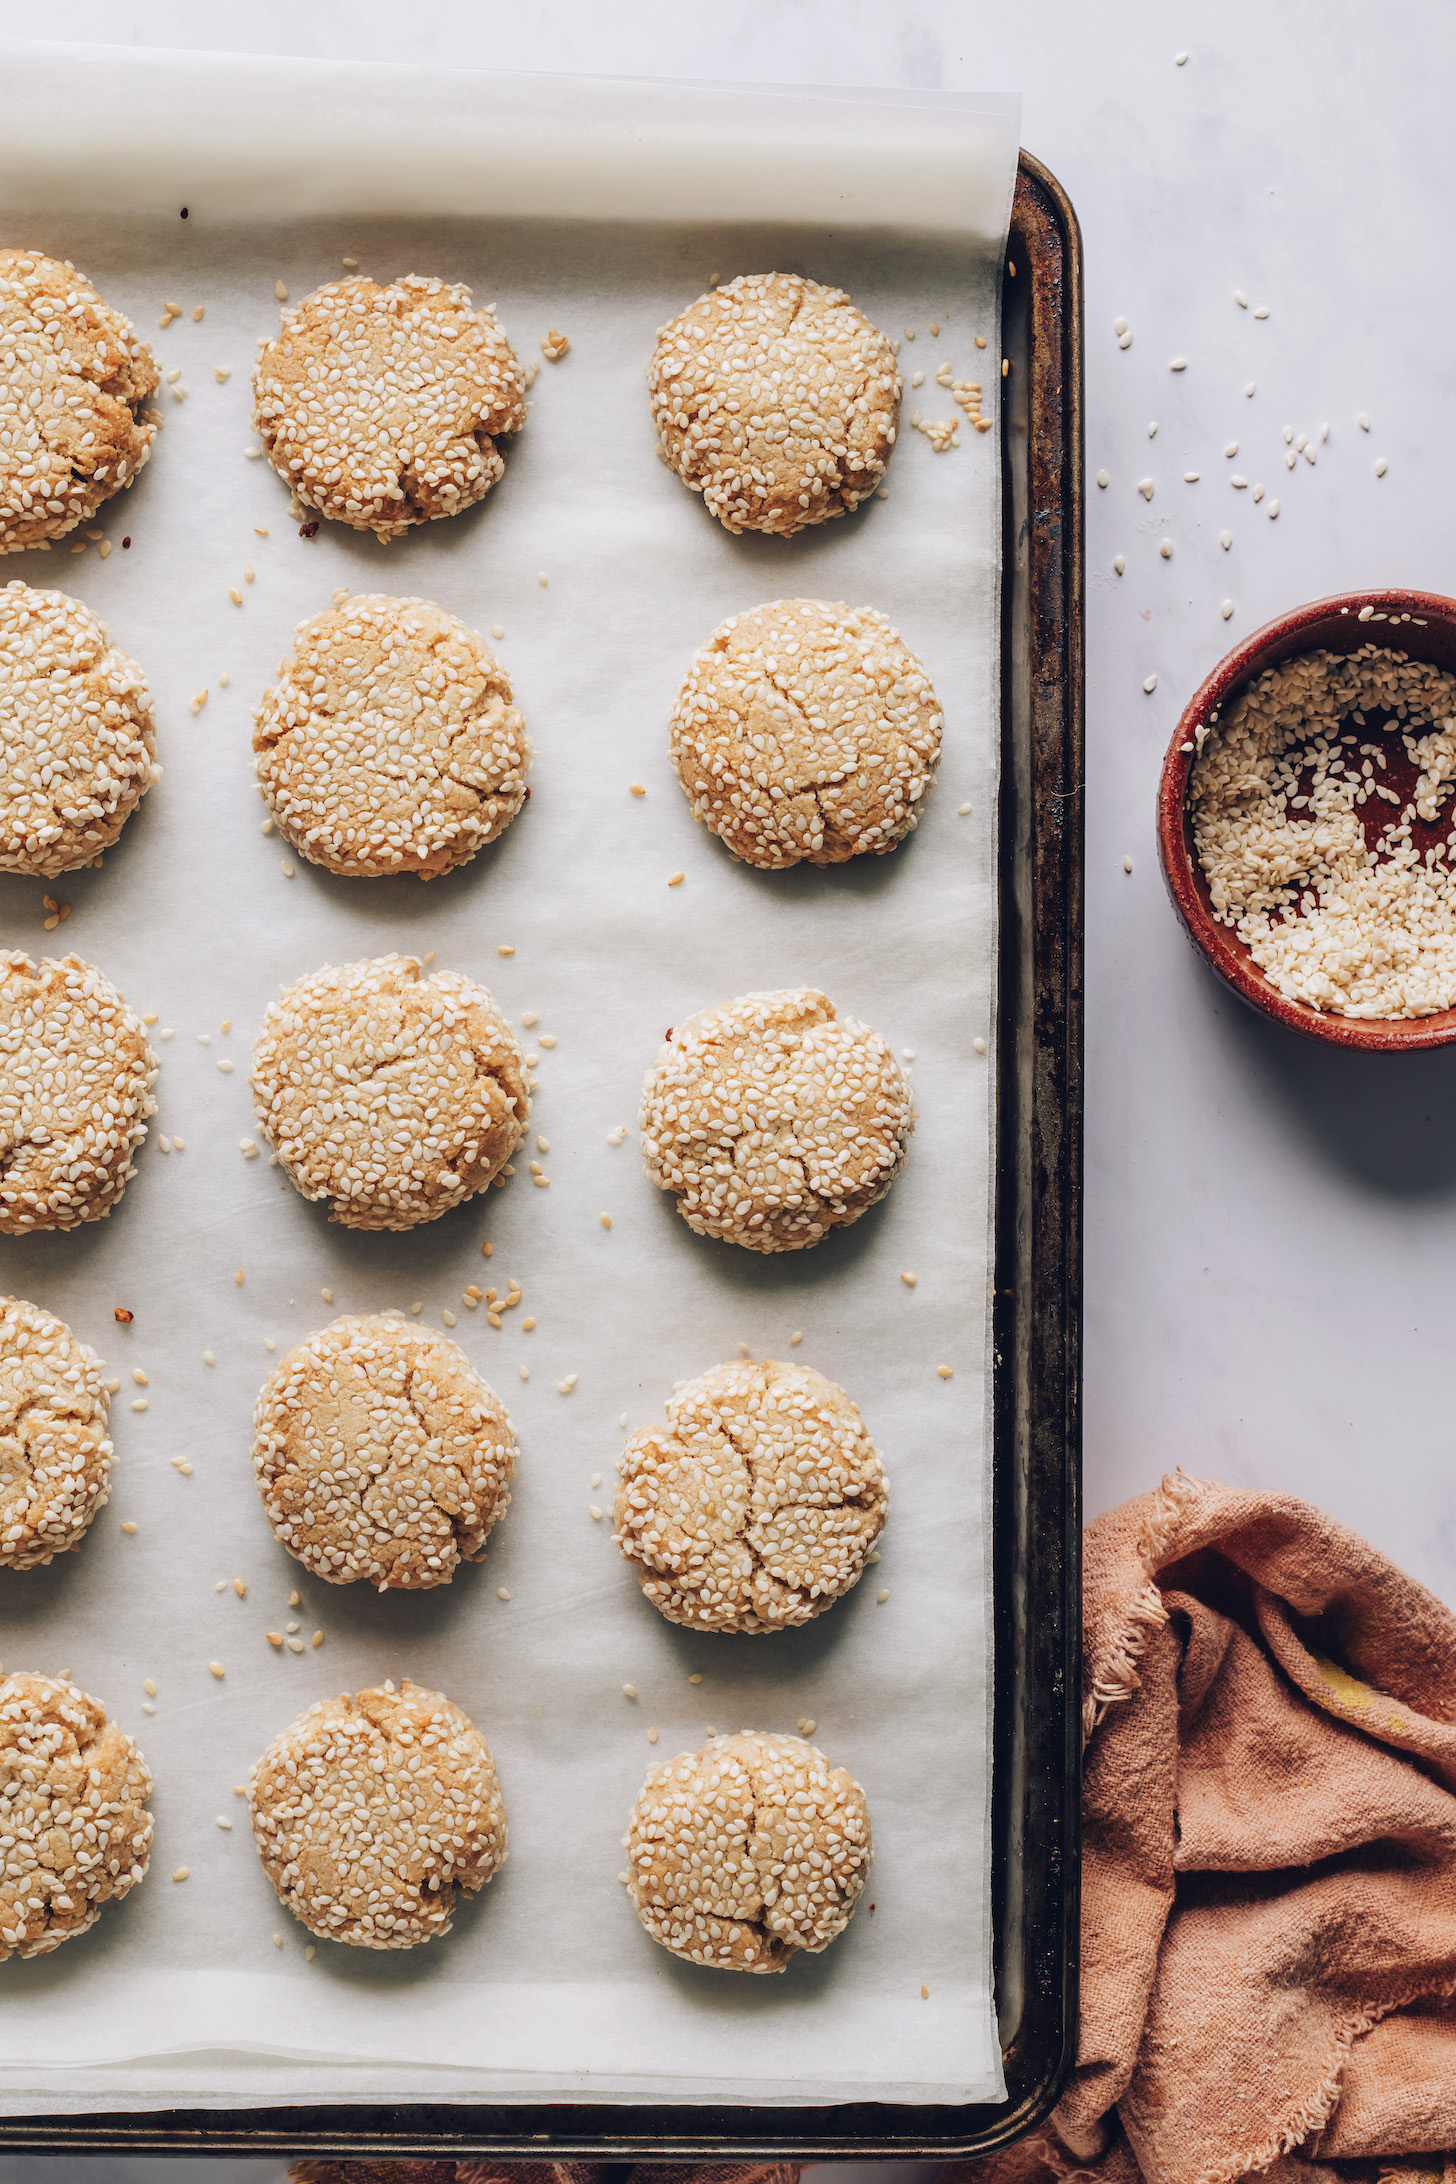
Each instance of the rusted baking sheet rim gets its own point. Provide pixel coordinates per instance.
(1037, 1439)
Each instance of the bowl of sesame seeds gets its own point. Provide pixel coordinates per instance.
(1305, 820)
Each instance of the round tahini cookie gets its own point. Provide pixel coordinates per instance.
(748, 1851)
(755, 1508)
(806, 731)
(390, 742)
(55, 1459)
(75, 1093)
(381, 1454)
(776, 400)
(388, 1095)
(73, 379)
(73, 1794)
(773, 1120)
(371, 1813)
(383, 407)
(77, 734)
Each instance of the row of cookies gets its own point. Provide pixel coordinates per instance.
(373, 1813)
(386, 407)
(391, 741)
(392, 1095)
(382, 1457)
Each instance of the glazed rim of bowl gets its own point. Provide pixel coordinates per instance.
(1420, 624)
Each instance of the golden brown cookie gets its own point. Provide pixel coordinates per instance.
(388, 1095)
(390, 742)
(75, 1093)
(776, 400)
(383, 407)
(806, 731)
(748, 1851)
(773, 1120)
(77, 734)
(380, 1453)
(73, 1793)
(755, 1508)
(72, 386)
(55, 1459)
(370, 1813)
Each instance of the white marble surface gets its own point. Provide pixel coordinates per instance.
(1271, 1227)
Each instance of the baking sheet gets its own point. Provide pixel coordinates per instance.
(547, 1988)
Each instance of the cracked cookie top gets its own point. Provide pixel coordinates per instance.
(776, 400)
(371, 1813)
(383, 407)
(380, 1453)
(390, 742)
(806, 732)
(72, 386)
(755, 1509)
(77, 734)
(73, 1794)
(75, 1093)
(55, 1459)
(389, 1096)
(773, 1120)
(748, 1851)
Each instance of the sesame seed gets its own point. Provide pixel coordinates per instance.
(979, 1045)
(1179, 364)
(564, 1387)
(295, 1645)
(882, 1596)
(527, 1325)
(310, 1953)
(140, 1404)
(1127, 864)
(1363, 422)
(542, 579)
(1380, 467)
(652, 1734)
(1190, 477)
(317, 1640)
(605, 1219)
(1119, 326)
(963, 811)
(546, 1039)
(636, 788)
(1273, 510)
(280, 291)
(240, 1587)
(1166, 549)
(129, 1527)
(1241, 299)
(1102, 478)
(235, 595)
(501, 1593)
(908, 1280)
(1179, 60)
(593, 1512)
(180, 1872)
(1225, 539)
(1249, 388)
(217, 1669)
(1150, 684)
(1118, 563)
(1262, 311)
(208, 1358)
(238, 1278)
(794, 1341)
(674, 879)
(946, 1372)
(1227, 609)
(1146, 488)
(925, 1991)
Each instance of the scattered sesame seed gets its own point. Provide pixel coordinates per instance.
(1190, 477)
(505, 949)
(280, 291)
(546, 1039)
(238, 1278)
(501, 1593)
(1102, 478)
(882, 1596)
(1273, 510)
(908, 1280)
(564, 1387)
(208, 1358)
(1166, 549)
(1228, 608)
(794, 1341)
(524, 1371)
(235, 595)
(240, 1587)
(925, 1991)
(1119, 326)
(1145, 487)
(1225, 539)
(317, 1640)
(1250, 388)
(1380, 467)
(1179, 364)
(963, 811)
(180, 1872)
(295, 1645)
(1241, 299)
(652, 1734)
(286, 869)
(310, 1953)
(128, 1527)
(140, 1403)
(979, 1045)
(1258, 494)
(217, 1670)
(1118, 563)
(636, 788)
(223, 1823)
(527, 1325)
(1262, 311)
(946, 1372)
(674, 879)
(1127, 864)
(1179, 60)
(605, 1219)
(226, 1068)
(593, 1512)
(295, 1600)
(1150, 684)
(1363, 422)
(542, 579)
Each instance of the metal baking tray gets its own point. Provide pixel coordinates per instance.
(1036, 1450)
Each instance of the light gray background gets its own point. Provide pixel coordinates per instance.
(1270, 1261)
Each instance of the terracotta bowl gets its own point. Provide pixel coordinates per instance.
(1421, 624)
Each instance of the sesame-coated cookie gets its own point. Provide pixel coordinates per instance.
(390, 742)
(369, 1813)
(55, 1459)
(388, 1095)
(380, 1453)
(382, 407)
(77, 734)
(806, 731)
(75, 1093)
(748, 1851)
(756, 1507)
(774, 1120)
(776, 400)
(73, 378)
(73, 1794)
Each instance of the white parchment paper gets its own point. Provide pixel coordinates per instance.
(547, 1988)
